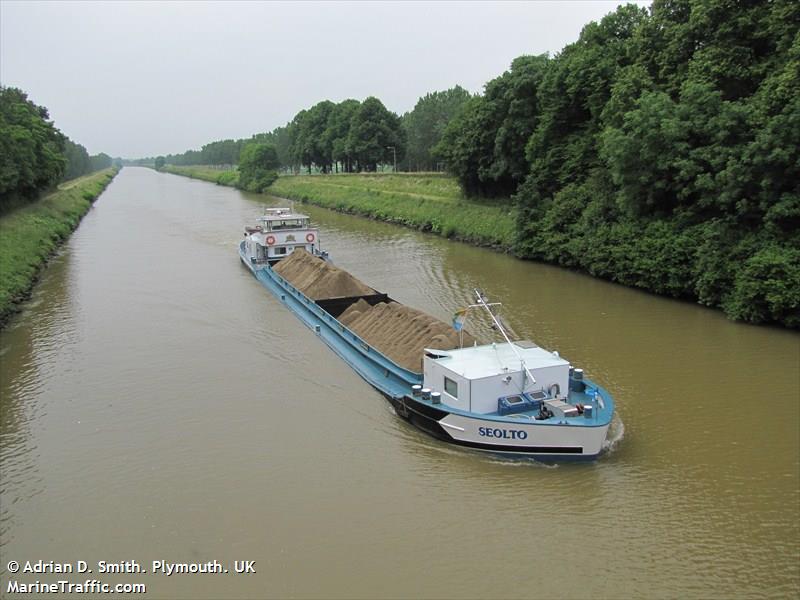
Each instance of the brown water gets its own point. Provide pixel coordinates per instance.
(159, 404)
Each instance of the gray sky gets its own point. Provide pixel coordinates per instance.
(139, 79)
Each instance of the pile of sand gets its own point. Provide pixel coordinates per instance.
(318, 279)
(399, 332)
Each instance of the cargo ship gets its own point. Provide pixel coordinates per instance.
(508, 397)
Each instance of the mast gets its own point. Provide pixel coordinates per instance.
(482, 303)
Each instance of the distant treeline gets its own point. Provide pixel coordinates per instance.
(34, 154)
(80, 163)
(349, 137)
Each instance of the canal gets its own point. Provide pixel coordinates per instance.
(159, 404)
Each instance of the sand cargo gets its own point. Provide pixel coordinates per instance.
(399, 332)
(507, 397)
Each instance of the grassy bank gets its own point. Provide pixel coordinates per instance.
(428, 202)
(205, 173)
(30, 234)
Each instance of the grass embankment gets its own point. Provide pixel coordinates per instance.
(29, 235)
(205, 173)
(429, 202)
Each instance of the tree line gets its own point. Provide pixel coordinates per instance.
(79, 162)
(349, 136)
(34, 154)
(660, 150)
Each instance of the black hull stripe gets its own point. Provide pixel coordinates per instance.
(522, 449)
(431, 425)
(426, 410)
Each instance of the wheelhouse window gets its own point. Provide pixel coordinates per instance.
(280, 250)
(286, 224)
(451, 387)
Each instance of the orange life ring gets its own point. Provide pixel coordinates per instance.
(310, 238)
(270, 240)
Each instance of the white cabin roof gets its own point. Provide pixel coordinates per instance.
(479, 362)
(281, 214)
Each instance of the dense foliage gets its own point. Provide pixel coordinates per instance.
(660, 150)
(34, 154)
(31, 148)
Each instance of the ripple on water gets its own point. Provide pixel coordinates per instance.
(175, 404)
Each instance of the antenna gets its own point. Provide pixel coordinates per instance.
(487, 305)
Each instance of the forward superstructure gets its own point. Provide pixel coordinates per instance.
(277, 234)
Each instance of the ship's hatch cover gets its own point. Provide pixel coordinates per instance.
(525, 344)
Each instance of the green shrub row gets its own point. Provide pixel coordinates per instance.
(751, 276)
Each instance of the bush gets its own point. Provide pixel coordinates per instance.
(261, 181)
(230, 178)
(767, 288)
(258, 167)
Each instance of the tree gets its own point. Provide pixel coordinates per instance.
(310, 141)
(160, 162)
(281, 137)
(373, 129)
(466, 147)
(300, 148)
(337, 132)
(258, 166)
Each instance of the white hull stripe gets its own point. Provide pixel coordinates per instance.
(449, 426)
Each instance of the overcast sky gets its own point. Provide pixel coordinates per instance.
(137, 79)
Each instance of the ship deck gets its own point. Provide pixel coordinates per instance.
(602, 411)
